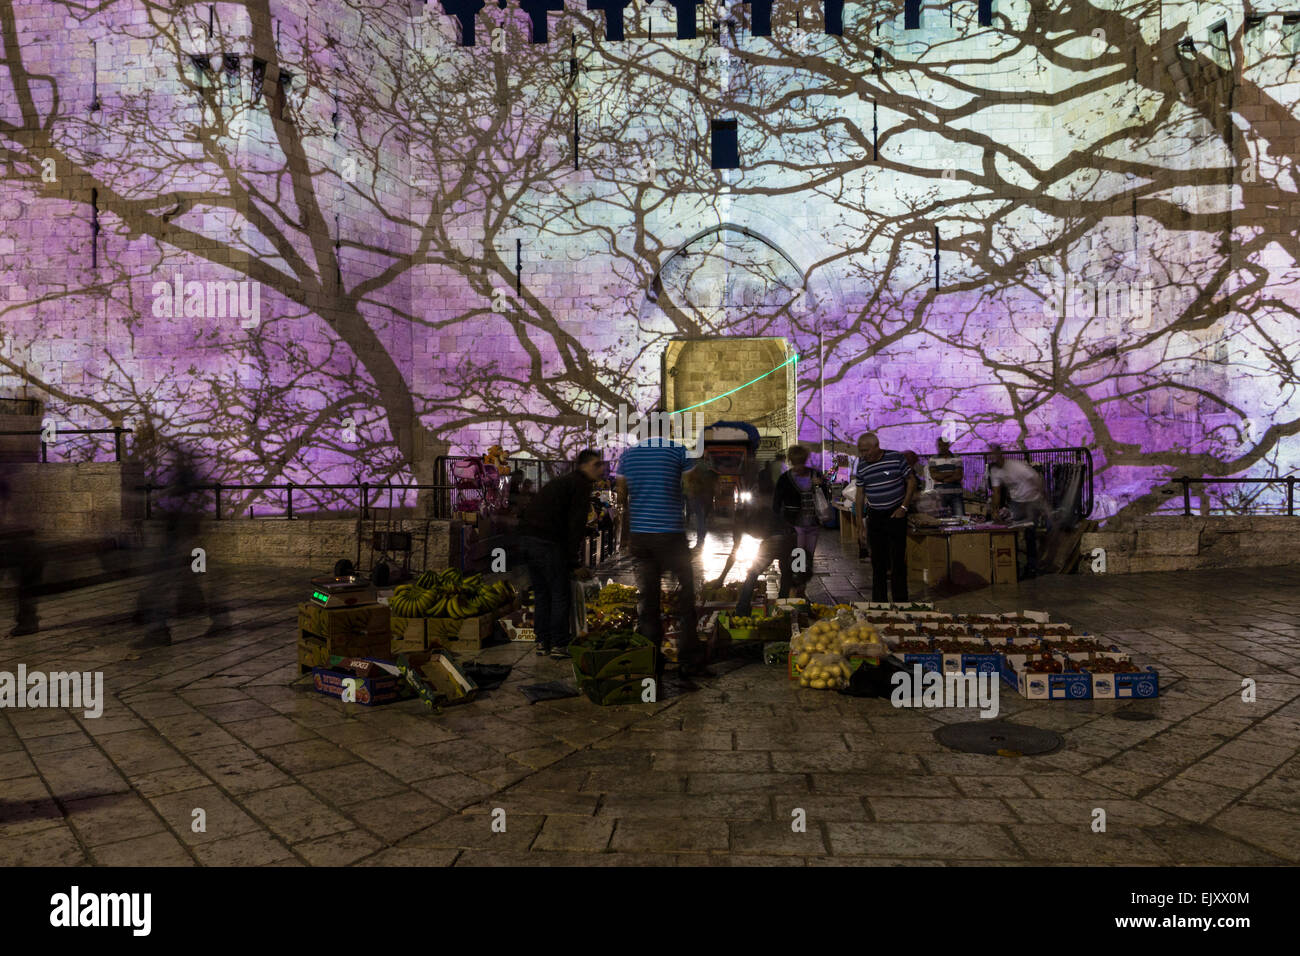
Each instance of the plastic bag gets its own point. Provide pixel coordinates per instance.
(826, 672)
(821, 638)
(862, 640)
(822, 505)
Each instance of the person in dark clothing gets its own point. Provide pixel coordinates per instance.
(173, 592)
(19, 552)
(552, 529)
(776, 542)
(794, 501)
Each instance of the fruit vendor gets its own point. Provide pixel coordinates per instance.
(552, 530)
(1018, 486)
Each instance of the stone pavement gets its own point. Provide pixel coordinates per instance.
(709, 776)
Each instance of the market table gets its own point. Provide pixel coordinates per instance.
(964, 556)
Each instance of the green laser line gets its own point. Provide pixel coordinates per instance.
(709, 401)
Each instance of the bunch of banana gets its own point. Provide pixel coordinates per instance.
(447, 594)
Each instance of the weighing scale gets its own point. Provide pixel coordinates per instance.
(336, 592)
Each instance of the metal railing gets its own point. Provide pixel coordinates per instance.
(1058, 466)
(492, 493)
(1187, 482)
(362, 488)
(117, 432)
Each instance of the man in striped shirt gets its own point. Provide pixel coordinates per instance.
(886, 485)
(650, 482)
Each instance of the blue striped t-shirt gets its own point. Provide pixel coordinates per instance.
(653, 471)
(884, 482)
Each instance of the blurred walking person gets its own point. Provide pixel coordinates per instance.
(19, 554)
(794, 500)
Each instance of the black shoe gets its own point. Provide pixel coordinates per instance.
(21, 630)
(541, 650)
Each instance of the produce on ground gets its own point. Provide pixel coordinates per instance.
(827, 644)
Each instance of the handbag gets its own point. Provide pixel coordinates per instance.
(822, 505)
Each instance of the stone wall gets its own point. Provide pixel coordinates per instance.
(1177, 543)
(494, 244)
(308, 543)
(68, 501)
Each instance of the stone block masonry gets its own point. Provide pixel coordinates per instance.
(456, 270)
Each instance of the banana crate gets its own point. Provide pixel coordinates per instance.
(636, 659)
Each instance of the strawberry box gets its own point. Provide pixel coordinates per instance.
(353, 683)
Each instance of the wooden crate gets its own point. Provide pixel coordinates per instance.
(343, 632)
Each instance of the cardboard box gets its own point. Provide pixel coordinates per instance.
(1002, 548)
(517, 633)
(342, 632)
(1053, 686)
(369, 691)
(969, 559)
(466, 633)
(927, 558)
(435, 678)
(980, 657)
(1145, 683)
(411, 635)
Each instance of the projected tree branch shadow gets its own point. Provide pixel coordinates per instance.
(398, 199)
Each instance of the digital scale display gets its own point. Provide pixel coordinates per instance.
(331, 593)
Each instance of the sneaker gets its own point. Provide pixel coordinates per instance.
(560, 653)
(541, 650)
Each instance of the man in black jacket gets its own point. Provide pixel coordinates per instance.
(551, 532)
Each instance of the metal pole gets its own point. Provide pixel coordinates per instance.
(117, 443)
(821, 389)
(1187, 497)
(289, 499)
(217, 489)
(1290, 496)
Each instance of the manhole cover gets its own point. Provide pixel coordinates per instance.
(1134, 715)
(997, 738)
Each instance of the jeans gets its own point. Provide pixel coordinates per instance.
(887, 537)
(776, 548)
(548, 573)
(701, 509)
(951, 498)
(806, 538)
(655, 555)
(1031, 511)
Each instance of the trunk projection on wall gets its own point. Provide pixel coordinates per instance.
(1053, 153)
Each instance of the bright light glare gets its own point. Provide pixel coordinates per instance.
(712, 559)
